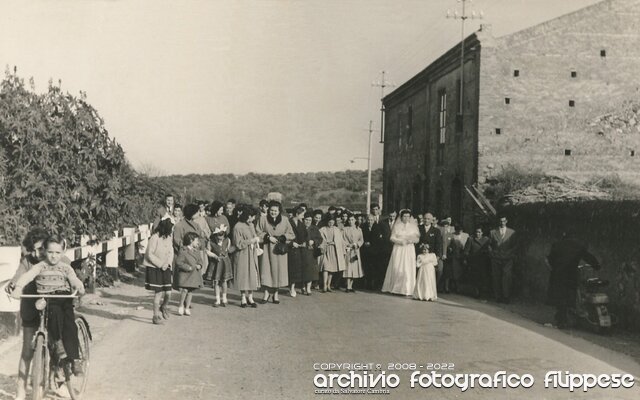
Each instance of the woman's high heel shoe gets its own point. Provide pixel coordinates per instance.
(273, 299)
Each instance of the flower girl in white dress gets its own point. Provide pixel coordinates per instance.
(425, 288)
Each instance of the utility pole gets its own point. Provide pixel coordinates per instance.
(369, 168)
(462, 17)
(382, 84)
(368, 158)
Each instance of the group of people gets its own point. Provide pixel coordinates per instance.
(266, 248)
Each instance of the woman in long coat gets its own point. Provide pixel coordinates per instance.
(275, 232)
(332, 259)
(181, 229)
(353, 241)
(313, 241)
(245, 262)
(297, 247)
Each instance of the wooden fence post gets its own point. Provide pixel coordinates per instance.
(111, 256)
(130, 249)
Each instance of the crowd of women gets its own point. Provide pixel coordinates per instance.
(251, 248)
(266, 248)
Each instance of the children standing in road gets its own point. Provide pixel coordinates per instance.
(425, 288)
(189, 263)
(222, 268)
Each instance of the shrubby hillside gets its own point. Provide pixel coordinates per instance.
(318, 189)
(59, 168)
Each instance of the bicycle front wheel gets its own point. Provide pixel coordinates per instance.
(78, 383)
(38, 374)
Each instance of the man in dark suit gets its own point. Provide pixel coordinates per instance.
(165, 210)
(502, 249)
(564, 258)
(371, 252)
(386, 246)
(230, 213)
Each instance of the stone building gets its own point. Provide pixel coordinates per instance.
(531, 99)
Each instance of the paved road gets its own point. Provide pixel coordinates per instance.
(269, 352)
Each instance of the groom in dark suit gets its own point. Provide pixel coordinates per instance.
(381, 246)
(502, 248)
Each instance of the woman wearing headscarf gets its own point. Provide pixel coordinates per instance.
(275, 232)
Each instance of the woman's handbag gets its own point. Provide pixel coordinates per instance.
(317, 252)
(280, 248)
(353, 255)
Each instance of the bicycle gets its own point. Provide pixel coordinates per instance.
(44, 366)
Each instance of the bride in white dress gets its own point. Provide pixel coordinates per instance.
(401, 272)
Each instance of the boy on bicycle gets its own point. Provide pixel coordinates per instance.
(53, 277)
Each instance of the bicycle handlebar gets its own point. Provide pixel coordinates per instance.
(50, 296)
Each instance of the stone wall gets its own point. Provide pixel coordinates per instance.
(558, 62)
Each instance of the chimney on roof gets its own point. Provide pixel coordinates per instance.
(485, 35)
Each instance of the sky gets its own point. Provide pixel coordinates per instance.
(222, 86)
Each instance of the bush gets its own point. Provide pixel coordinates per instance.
(66, 174)
(510, 179)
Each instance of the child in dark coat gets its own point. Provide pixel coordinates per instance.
(222, 268)
(189, 263)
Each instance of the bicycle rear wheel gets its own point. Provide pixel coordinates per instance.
(38, 373)
(78, 383)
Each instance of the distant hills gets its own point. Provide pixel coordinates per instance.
(317, 189)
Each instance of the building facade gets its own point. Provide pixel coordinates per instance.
(531, 100)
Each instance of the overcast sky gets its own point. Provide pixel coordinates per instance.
(238, 86)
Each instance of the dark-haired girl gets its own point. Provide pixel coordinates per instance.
(189, 265)
(158, 259)
(217, 219)
(275, 232)
(217, 222)
(221, 269)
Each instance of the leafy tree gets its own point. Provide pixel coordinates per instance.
(65, 173)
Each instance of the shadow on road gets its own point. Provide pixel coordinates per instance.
(592, 344)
